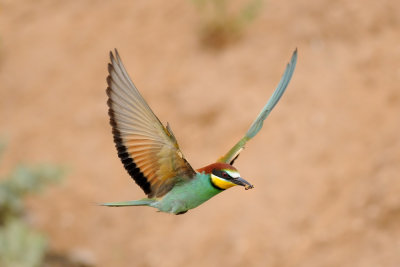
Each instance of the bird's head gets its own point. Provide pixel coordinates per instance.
(224, 176)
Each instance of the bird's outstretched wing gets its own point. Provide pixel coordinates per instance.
(258, 123)
(147, 149)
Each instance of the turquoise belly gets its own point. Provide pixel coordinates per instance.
(187, 195)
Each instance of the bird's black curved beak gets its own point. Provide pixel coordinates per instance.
(243, 182)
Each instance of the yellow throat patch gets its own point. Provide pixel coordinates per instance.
(221, 183)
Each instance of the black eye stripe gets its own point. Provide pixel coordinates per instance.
(222, 174)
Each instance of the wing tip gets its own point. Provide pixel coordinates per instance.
(293, 60)
(117, 54)
(114, 52)
(114, 56)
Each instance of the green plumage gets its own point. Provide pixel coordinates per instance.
(182, 197)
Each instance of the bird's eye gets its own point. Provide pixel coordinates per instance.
(225, 175)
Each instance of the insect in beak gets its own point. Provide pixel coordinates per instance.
(242, 182)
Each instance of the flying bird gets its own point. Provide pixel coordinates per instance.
(151, 155)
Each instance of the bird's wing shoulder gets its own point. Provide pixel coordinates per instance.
(147, 149)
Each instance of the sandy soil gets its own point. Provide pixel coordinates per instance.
(326, 166)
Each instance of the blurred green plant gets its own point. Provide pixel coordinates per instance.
(20, 244)
(220, 25)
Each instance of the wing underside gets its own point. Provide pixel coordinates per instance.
(147, 149)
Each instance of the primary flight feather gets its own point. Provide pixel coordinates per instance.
(151, 154)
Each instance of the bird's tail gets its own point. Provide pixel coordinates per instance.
(140, 202)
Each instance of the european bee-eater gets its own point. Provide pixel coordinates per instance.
(151, 155)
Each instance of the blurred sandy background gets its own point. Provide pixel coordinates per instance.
(326, 166)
